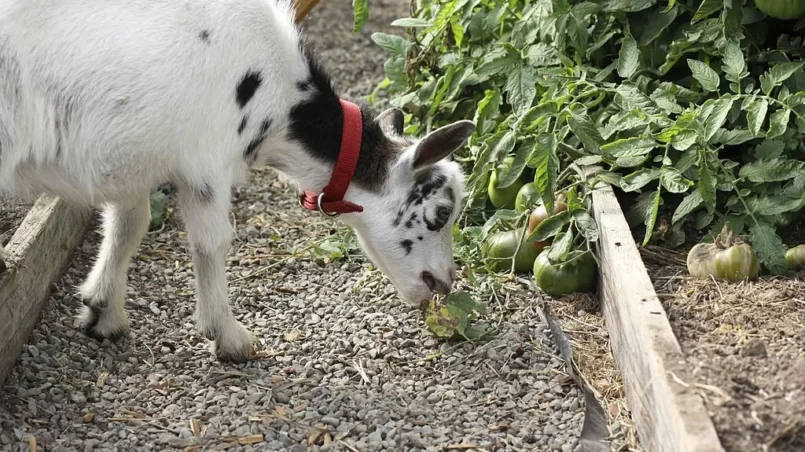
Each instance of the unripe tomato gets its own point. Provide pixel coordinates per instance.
(782, 9)
(575, 275)
(539, 215)
(503, 198)
(795, 257)
(500, 247)
(526, 197)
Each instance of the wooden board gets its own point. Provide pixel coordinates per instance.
(37, 255)
(669, 415)
(303, 7)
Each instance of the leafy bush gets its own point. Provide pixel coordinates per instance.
(695, 110)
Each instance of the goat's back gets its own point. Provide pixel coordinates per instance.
(99, 98)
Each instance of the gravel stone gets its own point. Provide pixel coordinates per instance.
(341, 350)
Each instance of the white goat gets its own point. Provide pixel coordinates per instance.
(102, 99)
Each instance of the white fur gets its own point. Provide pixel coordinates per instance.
(147, 101)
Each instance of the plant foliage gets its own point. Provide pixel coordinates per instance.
(693, 109)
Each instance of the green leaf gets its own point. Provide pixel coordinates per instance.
(778, 122)
(781, 72)
(774, 170)
(411, 22)
(361, 11)
(734, 64)
(651, 214)
(769, 149)
(586, 132)
(514, 171)
(674, 181)
(707, 182)
(628, 147)
(721, 108)
(465, 302)
(560, 247)
(637, 99)
(704, 74)
(639, 179)
(549, 227)
(628, 58)
(707, 8)
(588, 160)
(546, 163)
(688, 205)
(769, 248)
(586, 225)
(657, 23)
(498, 62)
(488, 107)
(521, 87)
(756, 114)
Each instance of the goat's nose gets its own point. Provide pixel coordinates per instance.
(435, 284)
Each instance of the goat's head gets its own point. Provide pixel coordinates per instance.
(406, 226)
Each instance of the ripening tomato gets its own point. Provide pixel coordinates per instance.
(539, 215)
(733, 263)
(579, 273)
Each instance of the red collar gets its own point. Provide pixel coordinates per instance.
(331, 200)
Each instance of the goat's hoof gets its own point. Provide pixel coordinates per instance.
(238, 346)
(101, 324)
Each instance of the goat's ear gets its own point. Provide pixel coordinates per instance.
(441, 143)
(391, 122)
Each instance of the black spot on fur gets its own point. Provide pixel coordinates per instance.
(407, 245)
(251, 149)
(419, 238)
(205, 36)
(318, 121)
(442, 215)
(411, 221)
(243, 123)
(247, 87)
(303, 85)
(398, 218)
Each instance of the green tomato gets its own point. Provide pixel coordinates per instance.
(578, 274)
(526, 197)
(503, 198)
(795, 257)
(782, 9)
(500, 248)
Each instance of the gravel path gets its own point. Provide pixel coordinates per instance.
(348, 366)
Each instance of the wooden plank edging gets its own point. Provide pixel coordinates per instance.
(38, 254)
(669, 415)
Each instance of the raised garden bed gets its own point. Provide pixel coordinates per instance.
(743, 345)
(35, 256)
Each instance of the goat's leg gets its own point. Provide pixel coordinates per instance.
(104, 291)
(206, 217)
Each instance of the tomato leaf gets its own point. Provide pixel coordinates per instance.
(521, 87)
(704, 74)
(628, 147)
(628, 58)
(769, 248)
(546, 163)
(361, 11)
(549, 227)
(514, 171)
(691, 202)
(756, 114)
(639, 179)
(586, 225)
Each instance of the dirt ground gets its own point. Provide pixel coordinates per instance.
(744, 343)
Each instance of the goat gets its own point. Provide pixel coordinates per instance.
(102, 99)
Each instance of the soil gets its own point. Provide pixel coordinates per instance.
(744, 344)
